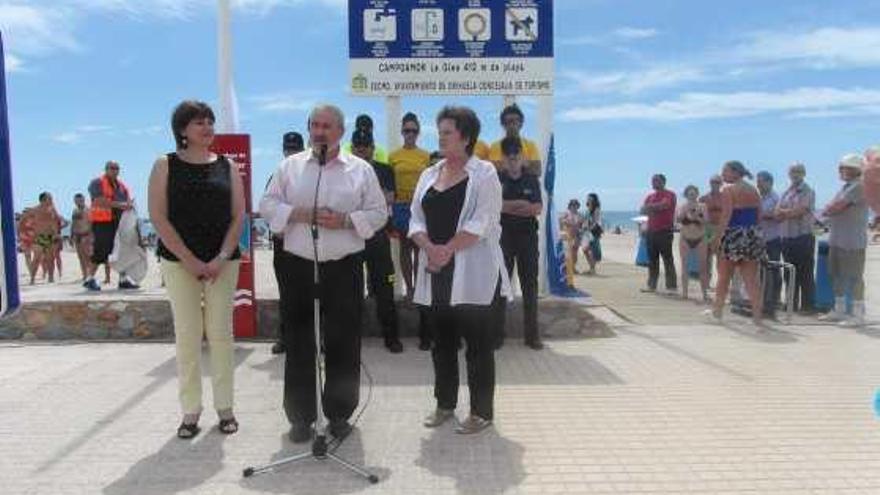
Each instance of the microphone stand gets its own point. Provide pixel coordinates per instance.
(319, 449)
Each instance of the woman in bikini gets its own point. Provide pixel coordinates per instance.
(741, 244)
(692, 218)
(571, 224)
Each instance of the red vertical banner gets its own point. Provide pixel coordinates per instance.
(237, 147)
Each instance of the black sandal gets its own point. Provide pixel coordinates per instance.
(188, 430)
(228, 426)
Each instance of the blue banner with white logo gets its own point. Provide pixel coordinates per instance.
(555, 249)
(9, 297)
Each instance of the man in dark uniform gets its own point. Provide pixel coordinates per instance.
(291, 143)
(521, 193)
(377, 254)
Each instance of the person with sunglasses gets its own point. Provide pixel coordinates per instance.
(408, 163)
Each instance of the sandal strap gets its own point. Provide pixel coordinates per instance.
(187, 430)
(229, 425)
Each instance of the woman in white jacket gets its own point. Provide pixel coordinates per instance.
(455, 222)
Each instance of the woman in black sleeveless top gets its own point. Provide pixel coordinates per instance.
(197, 208)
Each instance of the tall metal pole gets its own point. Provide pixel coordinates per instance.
(227, 120)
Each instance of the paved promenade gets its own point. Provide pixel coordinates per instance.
(669, 406)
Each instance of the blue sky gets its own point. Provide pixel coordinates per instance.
(642, 87)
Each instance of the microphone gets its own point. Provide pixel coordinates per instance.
(322, 155)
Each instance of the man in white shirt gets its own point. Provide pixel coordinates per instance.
(350, 208)
(772, 231)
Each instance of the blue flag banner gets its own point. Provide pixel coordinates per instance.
(9, 298)
(555, 250)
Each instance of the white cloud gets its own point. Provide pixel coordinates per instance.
(694, 106)
(624, 33)
(69, 137)
(29, 31)
(822, 48)
(633, 33)
(631, 82)
(183, 9)
(42, 27)
(83, 132)
(13, 63)
(285, 102)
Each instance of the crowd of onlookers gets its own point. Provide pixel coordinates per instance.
(92, 233)
(755, 234)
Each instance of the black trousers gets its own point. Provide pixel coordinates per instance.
(472, 323)
(380, 281)
(801, 252)
(278, 253)
(660, 245)
(520, 247)
(341, 294)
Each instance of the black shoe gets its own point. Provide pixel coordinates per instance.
(300, 432)
(394, 345)
(126, 285)
(279, 348)
(424, 345)
(339, 428)
(535, 344)
(92, 285)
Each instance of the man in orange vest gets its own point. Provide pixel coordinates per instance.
(110, 198)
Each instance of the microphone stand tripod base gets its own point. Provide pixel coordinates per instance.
(319, 445)
(318, 452)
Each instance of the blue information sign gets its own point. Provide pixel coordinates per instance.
(451, 46)
(9, 297)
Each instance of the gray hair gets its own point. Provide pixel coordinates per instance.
(798, 167)
(332, 109)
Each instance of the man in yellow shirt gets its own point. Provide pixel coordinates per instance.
(512, 120)
(481, 150)
(408, 164)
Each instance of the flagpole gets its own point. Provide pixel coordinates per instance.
(227, 122)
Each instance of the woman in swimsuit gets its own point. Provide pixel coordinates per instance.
(571, 224)
(741, 246)
(692, 218)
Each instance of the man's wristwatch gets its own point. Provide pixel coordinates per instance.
(224, 255)
(347, 223)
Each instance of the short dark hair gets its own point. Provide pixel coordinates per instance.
(361, 137)
(738, 168)
(78, 195)
(511, 146)
(363, 119)
(466, 122)
(410, 117)
(659, 176)
(186, 112)
(512, 110)
(44, 195)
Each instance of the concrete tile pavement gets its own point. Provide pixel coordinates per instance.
(660, 409)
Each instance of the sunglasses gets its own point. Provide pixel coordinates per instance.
(410, 131)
